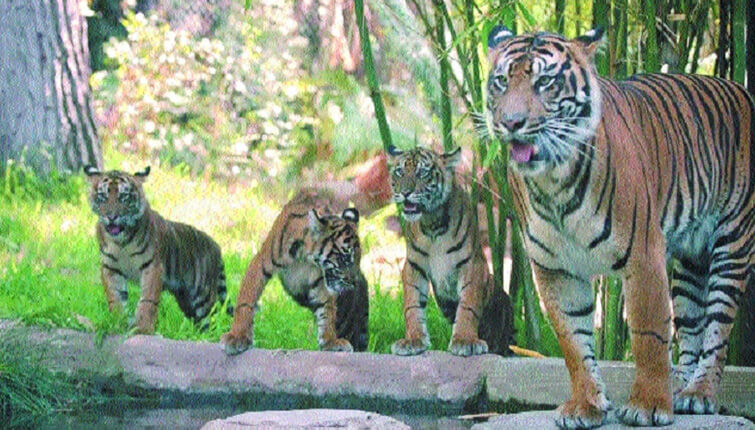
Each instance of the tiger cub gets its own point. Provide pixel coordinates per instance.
(443, 248)
(138, 244)
(316, 254)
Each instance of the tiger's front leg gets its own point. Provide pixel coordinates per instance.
(649, 316)
(325, 314)
(473, 284)
(241, 336)
(569, 301)
(146, 309)
(116, 289)
(416, 340)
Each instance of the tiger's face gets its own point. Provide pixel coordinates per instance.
(335, 249)
(117, 198)
(421, 179)
(543, 96)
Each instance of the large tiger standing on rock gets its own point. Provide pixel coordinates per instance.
(137, 244)
(610, 177)
(443, 249)
(314, 247)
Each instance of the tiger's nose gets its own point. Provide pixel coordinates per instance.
(514, 122)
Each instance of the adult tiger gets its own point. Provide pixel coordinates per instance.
(316, 254)
(611, 177)
(443, 248)
(138, 244)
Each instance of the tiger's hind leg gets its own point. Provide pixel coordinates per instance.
(729, 271)
(688, 283)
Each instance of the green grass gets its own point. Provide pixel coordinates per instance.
(49, 263)
(29, 391)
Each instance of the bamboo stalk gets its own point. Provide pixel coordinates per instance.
(652, 57)
(369, 70)
(738, 17)
(600, 18)
(445, 97)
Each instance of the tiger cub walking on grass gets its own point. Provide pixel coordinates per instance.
(314, 248)
(443, 248)
(139, 245)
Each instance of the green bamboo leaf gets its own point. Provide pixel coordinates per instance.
(528, 18)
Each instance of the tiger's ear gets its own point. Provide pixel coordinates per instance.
(92, 172)
(351, 214)
(592, 41)
(315, 223)
(452, 158)
(498, 35)
(142, 176)
(393, 151)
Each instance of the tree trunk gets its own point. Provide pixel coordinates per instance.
(46, 119)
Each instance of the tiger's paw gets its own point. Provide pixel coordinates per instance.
(409, 346)
(337, 345)
(467, 347)
(633, 415)
(234, 344)
(583, 415)
(694, 403)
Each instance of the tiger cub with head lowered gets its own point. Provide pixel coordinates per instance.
(443, 248)
(314, 248)
(138, 244)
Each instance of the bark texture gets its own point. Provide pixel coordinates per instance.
(46, 119)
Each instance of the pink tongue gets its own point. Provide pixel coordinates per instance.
(521, 153)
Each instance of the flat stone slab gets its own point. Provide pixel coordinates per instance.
(307, 419)
(545, 382)
(545, 420)
(442, 381)
(199, 374)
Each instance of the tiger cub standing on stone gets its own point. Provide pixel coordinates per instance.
(314, 248)
(138, 244)
(443, 248)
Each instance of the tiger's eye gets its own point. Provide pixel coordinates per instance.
(544, 81)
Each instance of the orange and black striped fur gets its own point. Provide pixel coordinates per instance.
(313, 247)
(613, 177)
(443, 249)
(139, 245)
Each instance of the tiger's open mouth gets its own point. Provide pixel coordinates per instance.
(523, 152)
(114, 229)
(411, 208)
